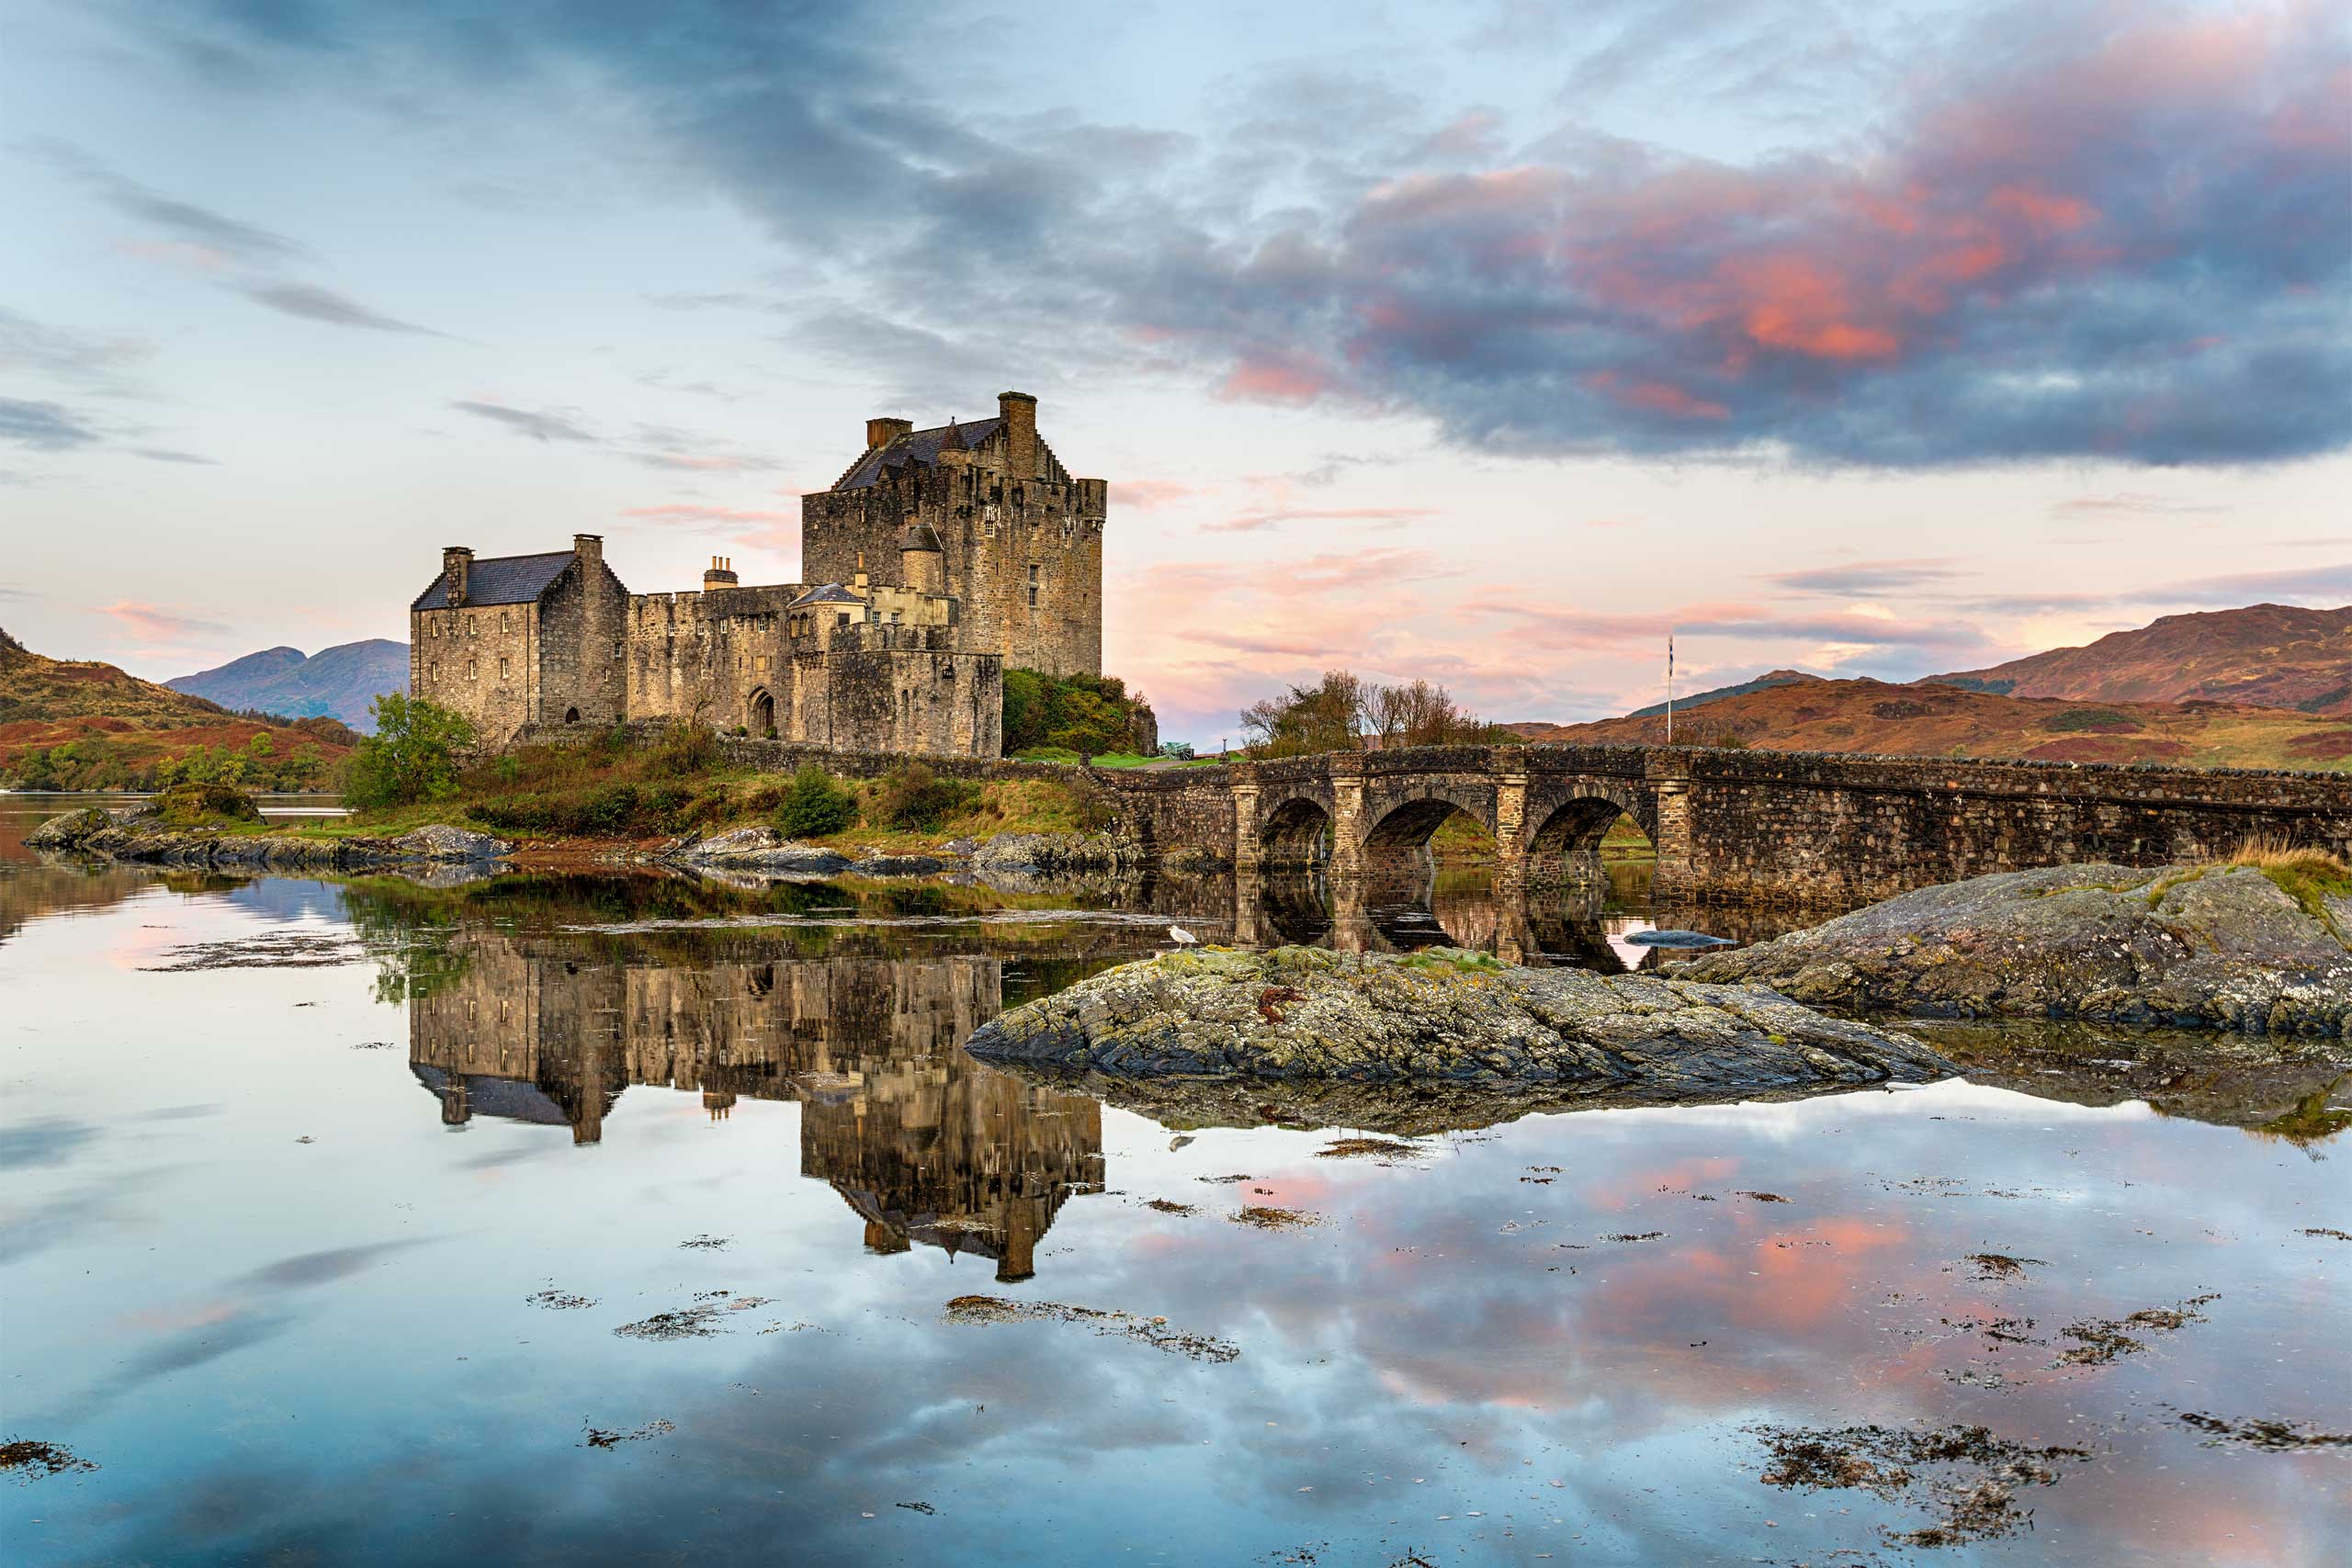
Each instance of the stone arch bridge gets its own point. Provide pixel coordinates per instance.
(1734, 824)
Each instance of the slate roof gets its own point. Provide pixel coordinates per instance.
(500, 580)
(920, 446)
(830, 594)
(510, 1099)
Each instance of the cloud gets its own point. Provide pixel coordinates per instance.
(168, 455)
(2110, 234)
(1379, 516)
(81, 359)
(150, 623)
(196, 225)
(539, 425)
(313, 303)
(689, 511)
(1868, 577)
(43, 426)
(2126, 504)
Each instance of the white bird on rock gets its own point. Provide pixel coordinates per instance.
(1182, 936)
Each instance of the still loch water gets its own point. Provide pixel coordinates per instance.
(617, 1220)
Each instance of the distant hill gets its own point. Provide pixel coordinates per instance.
(336, 682)
(1701, 699)
(2276, 656)
(1941, 720)
(120, 725)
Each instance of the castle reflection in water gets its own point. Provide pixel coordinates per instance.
(924, 1142)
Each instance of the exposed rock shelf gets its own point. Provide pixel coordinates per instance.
(1443, 1017)
(2209, 947)
(134, 837)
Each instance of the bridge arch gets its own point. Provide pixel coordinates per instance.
(1566, 824)
(1292, 830)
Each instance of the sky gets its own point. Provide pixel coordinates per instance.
(1484, 341)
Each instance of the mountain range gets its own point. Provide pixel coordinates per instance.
(338, 681)
(2266, 686)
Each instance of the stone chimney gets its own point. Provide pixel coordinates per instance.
(720, 573)
(457, 564)
(590, 549)
(882, 431)
(1019, 411)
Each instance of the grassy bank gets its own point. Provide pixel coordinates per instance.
(610, 791)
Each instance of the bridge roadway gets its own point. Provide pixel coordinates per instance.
(1748, 824)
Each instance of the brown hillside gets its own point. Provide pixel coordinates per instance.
(1946, 721)
(2275, 656)
(47, 701)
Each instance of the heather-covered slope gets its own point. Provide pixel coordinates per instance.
(2278, 656)
(1945, 721)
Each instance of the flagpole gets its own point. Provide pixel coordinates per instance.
(1669, 686)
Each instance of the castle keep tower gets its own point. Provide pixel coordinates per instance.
(983, 514)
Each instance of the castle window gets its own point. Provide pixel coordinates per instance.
(843, 618)
(471, 669)
(502, 668)
(1033, 585)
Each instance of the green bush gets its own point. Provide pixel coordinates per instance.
(196, 805)
(412, 756)
(814, 806)
(1082, 714)
(917, 799)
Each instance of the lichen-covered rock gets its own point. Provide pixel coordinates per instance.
(441, 842)
(143, 836)
(1061, 852)
(760, 849)
(2208, 947)
(1441, 1016)
(69, 831)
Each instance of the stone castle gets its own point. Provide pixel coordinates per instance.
(939, 558)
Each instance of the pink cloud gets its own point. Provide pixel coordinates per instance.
(151, 623)
(1251, 522)
(689, 511)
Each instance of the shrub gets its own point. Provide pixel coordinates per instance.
(916, 798)
(192, 804)
(685, 750)
(412, 757)
(814, 806)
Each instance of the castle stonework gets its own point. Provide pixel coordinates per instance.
(937, 558)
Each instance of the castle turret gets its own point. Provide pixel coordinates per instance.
(720, 573)
(1019, 411)
(456, 565)
(922, 564)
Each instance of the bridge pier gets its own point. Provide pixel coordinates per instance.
(1348, 826)
(1668, 776)
(1248, 848)
(1510, 820)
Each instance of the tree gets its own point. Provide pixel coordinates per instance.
(1345, 712)
(412, 756)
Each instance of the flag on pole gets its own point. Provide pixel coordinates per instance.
(1669, 686)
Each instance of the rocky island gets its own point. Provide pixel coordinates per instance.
(2258, 948)
(1443, 1017)
(215, 826)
